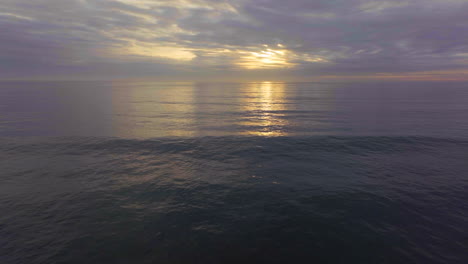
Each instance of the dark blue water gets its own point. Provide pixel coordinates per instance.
(138, 172)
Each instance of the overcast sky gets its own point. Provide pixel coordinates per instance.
(234, 40)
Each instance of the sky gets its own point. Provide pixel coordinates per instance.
(234, 40)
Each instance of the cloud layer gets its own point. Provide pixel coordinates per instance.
(298, 39)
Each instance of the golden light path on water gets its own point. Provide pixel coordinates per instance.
(264, 105)
(148, 110)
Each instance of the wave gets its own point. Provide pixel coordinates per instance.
(236, 145)
(233, 199)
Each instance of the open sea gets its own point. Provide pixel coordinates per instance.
(267, 172)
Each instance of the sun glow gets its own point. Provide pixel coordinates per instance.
(268, 58)
(249, 58)
(175, 53)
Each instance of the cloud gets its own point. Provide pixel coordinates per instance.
(303, 38)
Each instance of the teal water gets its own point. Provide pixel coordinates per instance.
(139, 172)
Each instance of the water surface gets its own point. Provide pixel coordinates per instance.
(151, 110)
(141, 172)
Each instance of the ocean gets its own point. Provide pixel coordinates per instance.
(261, 172)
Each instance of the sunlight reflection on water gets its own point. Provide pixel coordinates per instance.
(143, 109)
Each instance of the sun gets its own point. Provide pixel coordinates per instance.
(267, 58)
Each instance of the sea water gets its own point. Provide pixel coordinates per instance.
(264, 172)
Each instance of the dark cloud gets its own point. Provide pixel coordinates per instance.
(126, 38)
